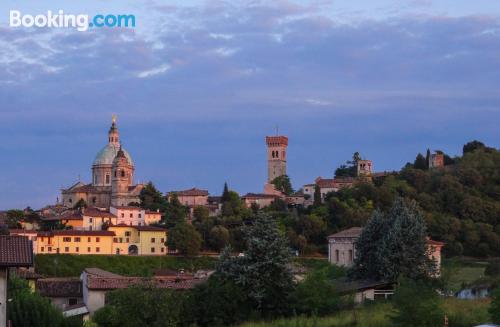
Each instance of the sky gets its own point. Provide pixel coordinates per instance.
(197, 85)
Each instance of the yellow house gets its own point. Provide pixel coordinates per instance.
(75, 242)
(139, 240)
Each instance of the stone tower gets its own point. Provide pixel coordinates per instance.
(276, 156)
(123, 174)
(365, 168)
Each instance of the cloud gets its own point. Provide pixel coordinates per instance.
(155, 71)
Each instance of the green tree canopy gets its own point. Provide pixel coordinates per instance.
(282, 183)
(152, 199)
(185, 239)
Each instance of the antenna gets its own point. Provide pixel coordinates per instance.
(277, 130)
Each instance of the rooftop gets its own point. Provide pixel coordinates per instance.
(191, 192)
(15, 251)
(59, 287)
(351, 232)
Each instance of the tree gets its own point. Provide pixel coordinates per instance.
(427, 158)
(233, 206)
(30, 309)
(417, 304)
(317, 196)
(473, 146)
(495, 306)
(14, 217)
(316, 294)
(420, 162)
(225, 194)
(282, 183)
(394, 245)
(219, 237)
(185, 239)
(141, 305)
(262, 271)
(350, 169)
(176, 213)
(80, 204)
(152, 199)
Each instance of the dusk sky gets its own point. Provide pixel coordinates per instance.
(197, 86)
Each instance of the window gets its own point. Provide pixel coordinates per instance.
(127, 233)
(123, 173)
(72, 301)
(336, 255)
(152, 250)
(49, 249)
(42, 249)
(123, 215)
(97, 239)
(350, 255)
(126, 240)
(66, 239)
(77, 249)
(162, 240)
(152, 240)
(97, 249)
(88, 250)
(131, 215)
(70, 200)
(88, 239)
(107, 178)
(77, 239)
(66, 249)
(115, 239)
(90, 220)
(139, 215)
(94, 200)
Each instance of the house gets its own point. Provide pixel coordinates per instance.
(259, 199)
(139, 240)
(97, 282)
(342, 248)
(84, 218)
(129, 215)
(15, 251)
(63, 292)
(152, 217)
(192, 197)
(327, 185)
(365, 289)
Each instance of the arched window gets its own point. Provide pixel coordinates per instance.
(107, 178)
(115, 173)
(123, 173)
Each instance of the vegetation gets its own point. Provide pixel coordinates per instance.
(495, 306)
(64, 265)
(142, 305)
(283, 184)
(30, 309)
(394, 245)
(185, 239)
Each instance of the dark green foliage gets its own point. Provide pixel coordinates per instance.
(30, 309)
(317, 196)
(473, 146)
(80, 204)
(152, 199)
(495, 306)
(350, 169)
(493, 268)
(219, 237)
(394, 245)
(14, 218)
(316, 294)
(217, 303)
(420, 162)
(185, 239)
(262, 272)
(176, 213)
(143, 305)
(233, 206)
(417, 304)
(283, 184)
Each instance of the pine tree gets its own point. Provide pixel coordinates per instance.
(317, 196)
(263, 270)
(394, 245)
(225, 194)
(420, 162)
(428, 158)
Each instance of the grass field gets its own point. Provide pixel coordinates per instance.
(461, 313)
(462, 272)
(65, 265)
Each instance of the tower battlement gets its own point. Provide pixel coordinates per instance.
(276, 141)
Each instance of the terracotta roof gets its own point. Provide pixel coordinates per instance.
(22, 231)
(27, 274)
(101, 283)
(150, 212)
(129, 208)
(98, 272)
(435, 243)
(59, 287)
(333, 182)
(191, 192)
(95, 212)
(71, 232)
(259, 196)
(88, 188)
(15, 251)
(351, 232)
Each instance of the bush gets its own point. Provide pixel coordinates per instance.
(495, 306)
(493, 268)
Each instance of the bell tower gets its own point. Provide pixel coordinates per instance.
(122, 177)
(276, 156)
(113, 135)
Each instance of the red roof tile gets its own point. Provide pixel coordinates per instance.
(15, 251)
(59, 287)
(259, 196)
(191, 192)
(100, 283)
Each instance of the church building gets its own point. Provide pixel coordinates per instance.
(112, 178)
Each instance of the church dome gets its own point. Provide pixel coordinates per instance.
(108, 154)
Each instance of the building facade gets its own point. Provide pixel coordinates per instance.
(112, 178)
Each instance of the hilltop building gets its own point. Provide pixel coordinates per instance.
(436, 160)
(112, 178)
(276, 156)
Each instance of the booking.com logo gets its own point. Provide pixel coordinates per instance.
(81, 22)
